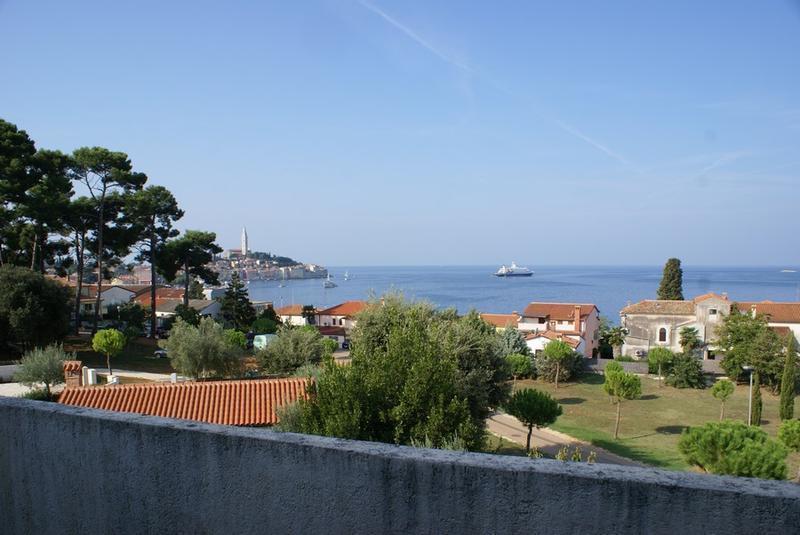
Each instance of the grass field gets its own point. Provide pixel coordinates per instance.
(651, 426)
(501, 446)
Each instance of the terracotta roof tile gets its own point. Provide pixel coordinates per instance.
(709, 295)
(348, 308)
(656, 306)
(554, 335)
(72, 365)
(501, 321)
(557, 311)
(776, 312)
(217, 402)
(290, 310)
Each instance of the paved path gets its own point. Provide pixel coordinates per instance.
(547, 440)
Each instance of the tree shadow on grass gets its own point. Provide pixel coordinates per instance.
(571, 401)
(648, 397)
(591, 378)
(671, 429)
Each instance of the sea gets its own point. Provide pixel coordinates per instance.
(474, 287)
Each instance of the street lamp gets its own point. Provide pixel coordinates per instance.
(749, 369)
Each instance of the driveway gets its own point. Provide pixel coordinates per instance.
(549, 441)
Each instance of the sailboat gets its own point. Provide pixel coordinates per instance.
(328, 282)
(346, 275)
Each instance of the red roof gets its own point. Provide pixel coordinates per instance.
(143, 298)
(326, 330)
(348, 308)
(554, 335)
(775, 312)
(290, 310)
(501, 321)
(557, 311)
(217, 402)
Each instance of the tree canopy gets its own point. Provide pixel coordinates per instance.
(109, 342)
(202, 351)
(722, 390)
(237, 310)
(671, 287)
(748, 340)
(292, 348)
(42, 366)
(789, 380)
(534, 409)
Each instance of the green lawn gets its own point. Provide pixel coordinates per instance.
(651, 426)
(137, 356)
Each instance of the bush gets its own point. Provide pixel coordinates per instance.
(292, 348)
(613, 367)
(43, 366)
(236, 338)
(625, 358)
(39, 394)
(203, 351)
(519, 366)
(570, 366)
(131, 333)
(686, 372)
(264, 325)
(733, 448)
(331, 345)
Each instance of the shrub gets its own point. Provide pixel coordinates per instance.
(38, 394)
(733, 448)
(625, 358)
(264, 325)
(559, 363)
(613, 367)
(290, 349)
(43, 366)
(789, 435)
(686, 372)
(659, 360)
(236, 338)
(202, 351)
(331, 345)
(512, 342)
(519, 366)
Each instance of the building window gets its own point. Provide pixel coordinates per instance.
(712, 311)
(662, 334)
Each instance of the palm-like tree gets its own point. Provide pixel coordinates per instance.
(615, 337)
(689, 339)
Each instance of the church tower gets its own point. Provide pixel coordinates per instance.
(244, 243)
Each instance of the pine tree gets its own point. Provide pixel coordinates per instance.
(671, 287)
(788, 381)
(755, 418)
(237, 310)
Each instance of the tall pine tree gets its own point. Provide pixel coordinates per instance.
(237, 310)
(758, 405)
(788, 381)
(671, 287)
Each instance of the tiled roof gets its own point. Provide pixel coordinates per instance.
(72, 365)
(348, 308)
(290, 310)
(143, 297)
(660, 306)
(776, 312)
(501, 321)
(557, 311)
(168, 305)
(331, 330)
(217, 402)
(709, 295)
(91, 289)
(554, 335)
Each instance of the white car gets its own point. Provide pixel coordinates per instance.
(160, 354)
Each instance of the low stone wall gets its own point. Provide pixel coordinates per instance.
(71, 470)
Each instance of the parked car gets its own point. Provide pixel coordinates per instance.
(160, 354)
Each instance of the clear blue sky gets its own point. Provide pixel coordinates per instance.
(397, 132)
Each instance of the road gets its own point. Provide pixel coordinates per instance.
(547, 440)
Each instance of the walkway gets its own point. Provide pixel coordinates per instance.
(547, 440)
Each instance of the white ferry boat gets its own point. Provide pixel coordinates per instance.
(513, 271)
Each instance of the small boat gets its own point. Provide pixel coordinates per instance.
(328, 283)
(788, 271)
(513, 271)
(346, 276)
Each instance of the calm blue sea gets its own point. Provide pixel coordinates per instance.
(467, 287)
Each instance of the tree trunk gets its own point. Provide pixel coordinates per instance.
(186, 282)
(660, 379)
(616, 424)
(153, 285)
(79, 283)
(558, 371)
(722, 411)
(97, 300)
(528, 442)
(33, 250)
(615, 350)
(108, 363)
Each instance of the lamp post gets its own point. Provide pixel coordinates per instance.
(749, 369)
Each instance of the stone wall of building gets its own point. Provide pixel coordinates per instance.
(71, 470)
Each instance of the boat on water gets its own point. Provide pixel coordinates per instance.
(346, 276)
(328, 283)
(513, 271)
(788, 271)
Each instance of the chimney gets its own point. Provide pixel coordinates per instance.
(577, 319)
(73, 373)
(753, 310)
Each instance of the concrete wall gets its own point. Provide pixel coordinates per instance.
(70, 470)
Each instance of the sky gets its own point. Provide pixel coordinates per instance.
(387, 132)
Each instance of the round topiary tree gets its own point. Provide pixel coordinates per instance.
(722, 390)
(621, 386)
(109, 342)
(534, 409)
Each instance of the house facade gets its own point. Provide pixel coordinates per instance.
(342, 315)
(577, 324)
(293, 315)
(165, 308)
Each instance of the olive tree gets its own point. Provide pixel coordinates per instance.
(43, 366)
(204, 350)
(558, 353)
(722, 390)
(292, 348)
(519, 365)
(534, 409)
(733, 448)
